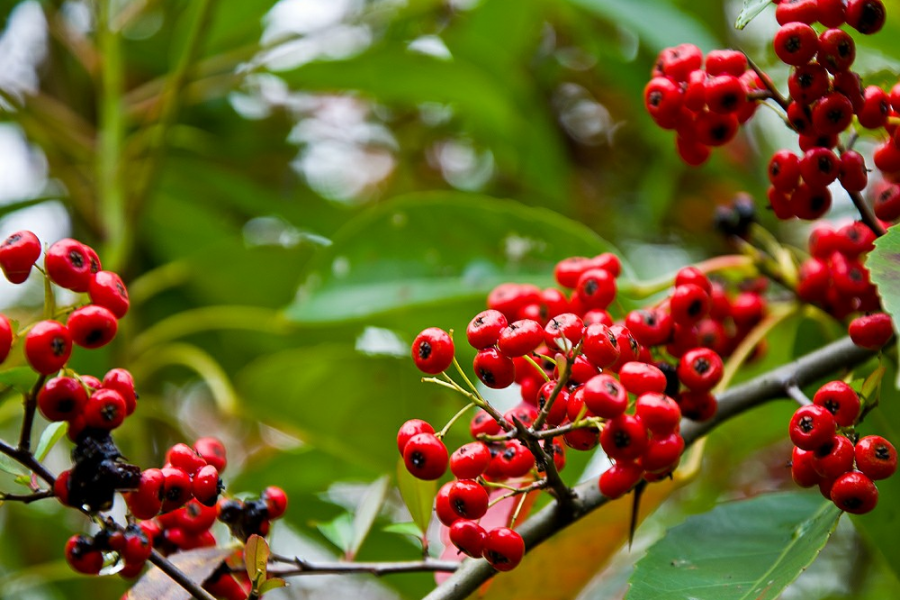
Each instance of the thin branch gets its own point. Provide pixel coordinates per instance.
(305, 567)
(769, 386)
(27, 460)
(30, 401)
(865, 212)
(775, 94)
(26, 498)
(796, 394)
(174, 573)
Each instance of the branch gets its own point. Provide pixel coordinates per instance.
(27, 460)
(26, 498)
(174, 573)
(30, 408)
(769, 386)
(305, 567)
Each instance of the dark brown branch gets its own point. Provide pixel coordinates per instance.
(305, 567)
(27, 460)
(174, 573)
(30, 401)
(773, 91)
(865, 212)
(26, 498)
(544, 524)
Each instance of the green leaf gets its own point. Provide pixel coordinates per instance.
(750, 11)
(368, 509)
(871, 387)
(408, 528)
(272, 584)
(51, 434)
(256, 557)
(431, 247)
(8, 465)
(658, 23)
(884, 268)
(20, 379)
(746, 550)
(338, 531)
(418, 495)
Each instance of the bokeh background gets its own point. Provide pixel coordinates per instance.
(293, 189)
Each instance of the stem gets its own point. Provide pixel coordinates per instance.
(27, 460)
(644, 289)
(305, 567)
(769, 386)
(455, 418)
(775, 94)
(537, 367)
(795, 393)
(179, 577)
(26, 498)
(865, 212)
(564, 373)
(30, 401)
(111, 196)
(514, 491)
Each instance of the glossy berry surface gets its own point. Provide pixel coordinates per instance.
(107, 289)
(425, 456)
(503, 549)
(69, 265)
(409, 429)
(18, 253)
(92, 326)
(468, 499)
(61, 399)
(811, 427)
(854, 493)
(876, 457)
(469, 537)
(432, 351)
(48, 346)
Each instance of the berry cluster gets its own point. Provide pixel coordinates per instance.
(130, 546)
(585, 380)
(74, 266)
(825, 454)
(705, 107)
(252, 517)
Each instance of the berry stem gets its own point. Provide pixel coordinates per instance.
(796, 394)
(865, 212)
(773, 91)
(537, 367)
(26, 498)
(563, 493)
(179, 577)
(564, 371)
(777, 314)
(27, 460)
(645, 289)
(30, 402)
(453, 420)
(515, 515)
(514, 491)
(305, 567)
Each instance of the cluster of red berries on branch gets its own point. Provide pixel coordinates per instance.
(829, 453)
(585, 380)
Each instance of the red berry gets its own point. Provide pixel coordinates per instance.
(425, 456)
(483, 424)
(831, 13)
(629, 349)
(523, 413)
(731, 62)
(854, 493)
(650, 327)
(725, 94)
(697, 406)
(840, 400)
(484, 329)
(92, 326)
(185, 458)
(679, 61)
(662, 452)
(411, 428)
(6, 337)
(832, 114)
(206, 485)
(887, 202)
(875, 109)
(837, 51)
(865, 16)
(520, 338)
(641, 378)
(69, 265)
(211, 449)
(564, 331)
(504, 549)
(811, 427)
(469, 537)
(512, 460)
(105, 409)
(871, 331)
(800, 117)
(689, 303)
(796, 43)
(470, 460)
(445, 512)
(692, 152)
(807, 83)
(62, 399)
(796, 11)
(624, 437)
(876, 457)
(432, 351)
(658, 412)
(618, 480)
(663, 100)
(604, 396)
(819, 167)
(468, 499)
(276, 501)
(494, 369)
(121, 381)
(176, 488)
(802, 470)
(853, 174)
(47, 346)
(596, 288)
(715, 129)
(61, 487)
(583, 438)
(600, 345)
(834, 458)
(700, 369)
(809, 202)
(557, 412)
(82, 556)
(138, 546)
(18, 253)
(106, 289)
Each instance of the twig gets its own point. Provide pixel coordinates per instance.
(796, 394)
(865, 212)
(30, 401)
(26, 498)
(769, 386)
(174, 573)
(775, 94)
(27, 460)
(305, 567)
